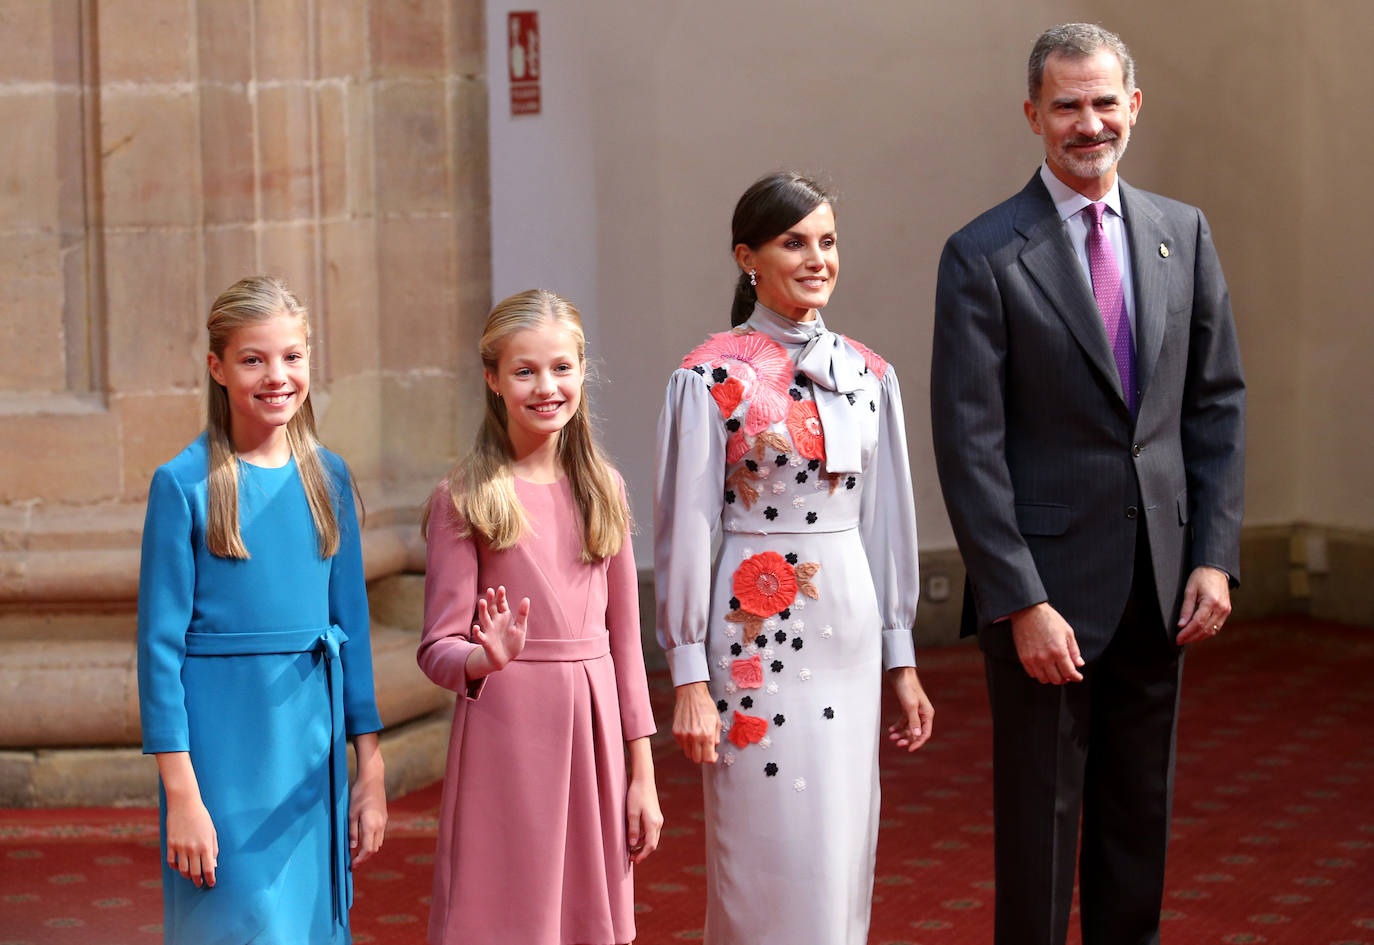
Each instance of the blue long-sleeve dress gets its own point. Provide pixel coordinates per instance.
(260, 668)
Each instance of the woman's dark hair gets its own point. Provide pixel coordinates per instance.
(770, 206)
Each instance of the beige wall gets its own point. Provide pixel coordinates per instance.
(1334, 140)
(914, 111)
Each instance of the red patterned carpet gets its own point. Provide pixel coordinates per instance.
(1273, 828)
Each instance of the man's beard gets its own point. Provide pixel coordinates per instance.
(1091, 167)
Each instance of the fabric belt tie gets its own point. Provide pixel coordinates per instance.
(835, 370)
(326, 644)
(566, 651)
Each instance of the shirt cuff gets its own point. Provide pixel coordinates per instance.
(687, 663)
(898, 648)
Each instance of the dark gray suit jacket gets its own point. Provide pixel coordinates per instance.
(1045, 474)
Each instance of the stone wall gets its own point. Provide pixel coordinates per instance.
(154, 152)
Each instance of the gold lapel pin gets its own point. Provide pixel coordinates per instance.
(1164, 250)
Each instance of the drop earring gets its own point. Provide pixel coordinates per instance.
(753, 278)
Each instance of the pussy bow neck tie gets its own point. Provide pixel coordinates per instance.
(835, 370)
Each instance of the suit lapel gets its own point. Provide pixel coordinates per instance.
(1052, 262)
(1150, 270)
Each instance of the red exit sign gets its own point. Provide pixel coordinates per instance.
(523, 60)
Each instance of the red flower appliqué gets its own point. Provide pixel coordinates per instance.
(745, 730)
(759, 363)
(765, 584)
(735, 447)
(728, 393)
(748, 674)
(804, 424)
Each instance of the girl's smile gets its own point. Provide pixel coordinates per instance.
(265, 371)
(539, 377)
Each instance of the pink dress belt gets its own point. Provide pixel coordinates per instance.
(566, 651)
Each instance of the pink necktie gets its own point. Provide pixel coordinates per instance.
(1111, 301)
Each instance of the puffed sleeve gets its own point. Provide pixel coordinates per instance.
(348, 609)
(450, 598)
(627, 652)
(166, 589)
(689, 494)
(887, 523)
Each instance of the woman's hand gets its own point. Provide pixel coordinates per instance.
(192, 844)
(696, 723)
(917, 721)
(643, 818)
(367, 800)
(500, 632)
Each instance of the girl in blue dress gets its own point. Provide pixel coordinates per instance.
(254, 663)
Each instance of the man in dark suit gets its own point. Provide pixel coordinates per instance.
(1088, 414)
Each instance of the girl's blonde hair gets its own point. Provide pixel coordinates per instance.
(247, 302)
(482, 486)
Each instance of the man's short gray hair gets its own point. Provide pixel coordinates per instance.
(1076, 41)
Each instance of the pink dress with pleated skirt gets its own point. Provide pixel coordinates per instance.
(532, 835)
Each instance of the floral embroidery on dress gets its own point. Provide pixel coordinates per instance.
(741, 488)
(759, 363)
(804, 425)
(727, 396)
(747, 673)
(747, 729)
(875, 362)
(766, 583)
(805, 572)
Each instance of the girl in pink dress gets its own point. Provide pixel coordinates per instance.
(539, 826)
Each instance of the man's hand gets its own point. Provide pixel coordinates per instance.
(1206, 604)
(1046, 646)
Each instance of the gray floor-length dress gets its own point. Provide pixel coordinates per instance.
(790, 438)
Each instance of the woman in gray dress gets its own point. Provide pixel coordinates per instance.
(789, 438)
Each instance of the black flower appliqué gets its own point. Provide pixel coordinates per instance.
(828, 712)
(775, 666)
(719, 374)
(811, 518)
(770, 513)
(770, 769)
(779, 719)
